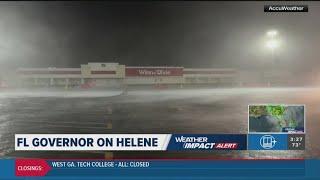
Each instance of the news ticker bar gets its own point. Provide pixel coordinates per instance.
(286, 8)
(157, 142)
(159, 168)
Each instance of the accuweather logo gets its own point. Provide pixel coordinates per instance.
(285, 8)
(267, 142)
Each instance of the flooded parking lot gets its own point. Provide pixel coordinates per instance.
(203, 110)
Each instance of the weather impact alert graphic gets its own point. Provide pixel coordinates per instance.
(208, 142)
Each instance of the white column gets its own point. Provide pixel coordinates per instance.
(36, 81)
(66, 83)
(51, 81)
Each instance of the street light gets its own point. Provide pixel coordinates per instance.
(272, 43)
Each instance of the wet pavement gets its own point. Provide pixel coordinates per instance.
(149, 111)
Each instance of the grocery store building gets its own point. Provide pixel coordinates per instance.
(116, 75)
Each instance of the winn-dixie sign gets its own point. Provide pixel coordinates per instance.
(140, 71)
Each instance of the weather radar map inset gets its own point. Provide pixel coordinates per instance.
(276, 118)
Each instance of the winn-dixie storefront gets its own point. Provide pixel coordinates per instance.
(113, 74)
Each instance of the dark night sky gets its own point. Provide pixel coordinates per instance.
(189, 34)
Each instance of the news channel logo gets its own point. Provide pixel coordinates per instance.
(267, 142)
(286, 8)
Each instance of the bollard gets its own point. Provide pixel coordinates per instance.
(109, 155)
